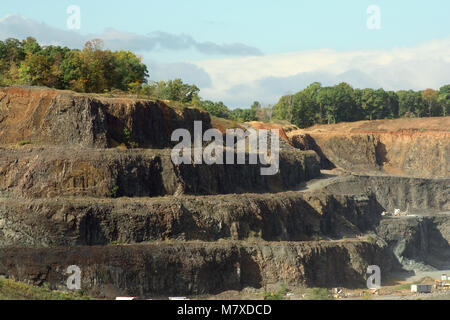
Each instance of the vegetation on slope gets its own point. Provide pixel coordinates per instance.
(89, 70)
(12, 290)
(342, 103)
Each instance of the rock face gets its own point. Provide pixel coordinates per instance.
(289, 216)
(72, 136)
(196, 268)
(72, 193)
(419, 243)
(52, 117)
(415, 147)
(393, 192)
(43, 172)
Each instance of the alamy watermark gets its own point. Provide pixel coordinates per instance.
(74, 280)
(74, 20)
(252, 144)
(374, 19)
(374, 281)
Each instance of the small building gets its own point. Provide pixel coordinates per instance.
(421, 288)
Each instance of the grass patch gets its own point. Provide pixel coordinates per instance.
(24, 143)
(13, 290)
(273, 296)
(116, 243)
(114, 192)
(254, 235)
(280, 295)
(319, 294)
(407, 286)
(168, 240)
(127, 138)
(366, 296)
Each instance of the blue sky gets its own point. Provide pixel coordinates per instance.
(272, 26)
(252, 32)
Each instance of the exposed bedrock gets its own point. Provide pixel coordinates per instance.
(197, 268)
(392, 192)
(419, 242)
(289, 216)
(54, 117)
(413, 147)
(138, 225)
(42, 172)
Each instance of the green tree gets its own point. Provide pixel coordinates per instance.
(128, 70)
(97, 67)
(243, 115)
(216, 109)
(96, 70)
(345, 100)
(302, 113)
(174, 90)
(312, 92)
(283, 110)
(382, 104)
(409, 103)
(72, 71)
(325, 99)
(430, 98)
(393, 104)
(256, 106)
(14, 52)
(444, 100)
(36, 70)
(30, 45)
(337, 103)
(377, 104)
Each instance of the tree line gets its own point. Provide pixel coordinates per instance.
(255, 113)
(176, 90)
(91, 69)
(318, 105)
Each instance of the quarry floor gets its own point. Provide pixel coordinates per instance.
(394, 289)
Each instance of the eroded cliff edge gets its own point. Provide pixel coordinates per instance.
(54, 117)
(408, 147)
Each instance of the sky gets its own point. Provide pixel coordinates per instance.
(241, 51)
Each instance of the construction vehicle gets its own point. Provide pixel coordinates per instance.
(444, 283)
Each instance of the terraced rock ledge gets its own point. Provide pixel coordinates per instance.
(74, 190)
(193, 268)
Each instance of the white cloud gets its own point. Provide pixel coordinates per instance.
(239, 81)
(17, 26)
(188, 72)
